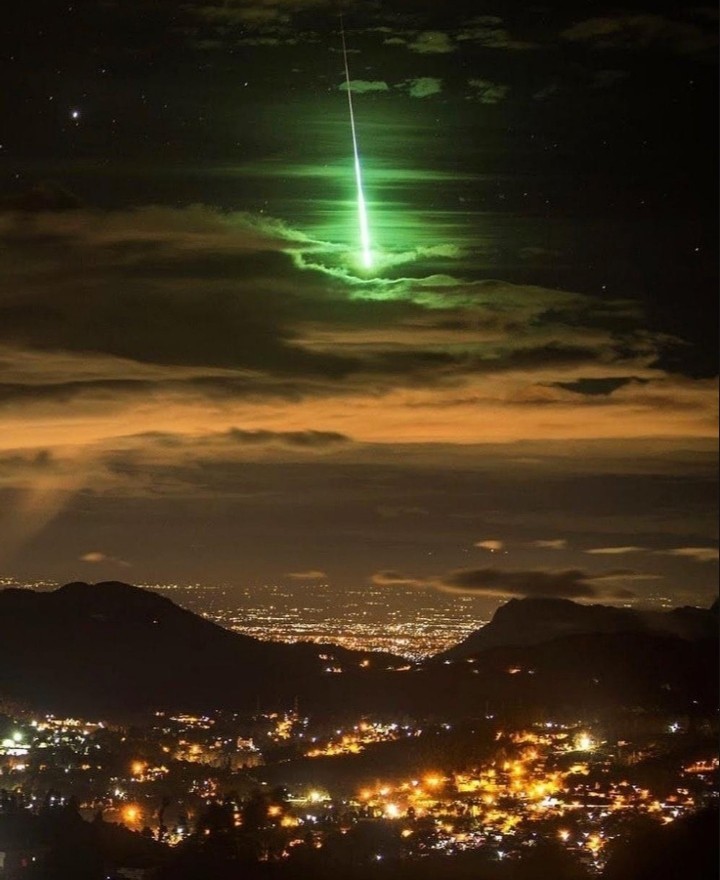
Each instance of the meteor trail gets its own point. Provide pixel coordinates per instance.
(362, 208)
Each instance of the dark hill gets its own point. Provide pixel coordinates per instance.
(111, 647)
(534, 621)
(593, 673)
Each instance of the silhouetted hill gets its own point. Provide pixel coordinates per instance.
(63, 846)
(111, 646)
(43, 196)
(591, 672)
(533, 621)
(109, 649)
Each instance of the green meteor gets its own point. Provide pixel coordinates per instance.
(367, 258)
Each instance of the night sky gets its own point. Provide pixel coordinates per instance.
(199, 381)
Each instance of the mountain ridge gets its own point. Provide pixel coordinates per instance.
(92, 645)
(112, 650)
(532, 621)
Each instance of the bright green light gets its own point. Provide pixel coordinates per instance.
(362, 207)
(362, 217)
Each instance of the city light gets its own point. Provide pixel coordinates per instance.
(131, 814)
(584, 742)
(523, 776)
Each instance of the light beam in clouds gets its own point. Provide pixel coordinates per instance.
(44, 496)
(367, 259)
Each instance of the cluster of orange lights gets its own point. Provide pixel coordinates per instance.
(356, 742)
(514, 790)
(521, 785)
(131, 814)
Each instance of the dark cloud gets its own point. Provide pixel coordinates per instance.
(43, 196)
(21, 465)
(431, 43)
(393, 511)
(568, 584)
(487, 92)
(550, 90)
(196, 289)
(491, 582)
(596, 386)
(619, 575)
(642, 31)
(187, 317)
(12, 394)
(483, 31)
(254, 14)
(488, 31)
(390, 578)
(292, 439)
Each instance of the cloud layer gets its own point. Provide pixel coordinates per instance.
(192, 322)
(494, 582)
